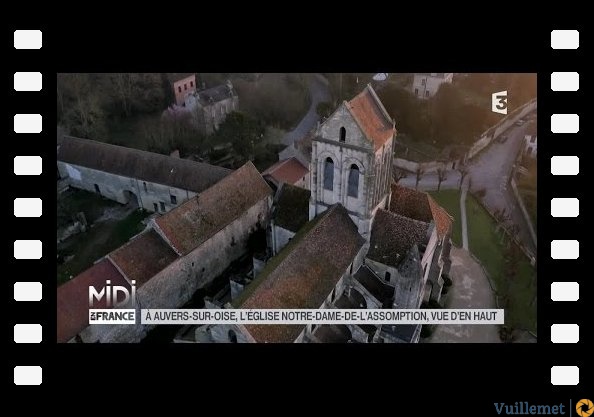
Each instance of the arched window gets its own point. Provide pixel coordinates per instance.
(353, 190)
(387, 276)
(232, 336)
(329, 174)
(342, 134)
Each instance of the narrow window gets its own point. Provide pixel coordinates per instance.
(342, 134)
(387, 276)
(232, 336)
(162, 206)
(179, 88)
(416, 92)
(97, 189)
(156, 207)
(329, 174)
(427, 93)
(185, 87)
(353, 190)
(191, 83)
(173, 199)
(144, 185)
(423, 81)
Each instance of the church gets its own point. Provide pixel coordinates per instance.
(354, 239)
(348, 238)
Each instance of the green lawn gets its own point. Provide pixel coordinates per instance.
(517, 291)
(450, 200)
(97, 242)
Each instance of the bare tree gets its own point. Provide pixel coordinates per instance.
(419, 173)
(397, 175)
(442, 174)
(463, 170)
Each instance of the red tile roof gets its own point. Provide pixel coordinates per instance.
(143, 257)
(304, 273)
(289, 171)
(73, 298)
(420, 206)
(192, 223)
(392, 236)
(372, 117)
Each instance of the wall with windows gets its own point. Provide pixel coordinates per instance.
(184, 87)
(148, 195)
(426, 85)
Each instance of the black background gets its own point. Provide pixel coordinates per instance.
(408, 380)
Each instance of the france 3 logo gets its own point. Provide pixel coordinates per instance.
(499, 102)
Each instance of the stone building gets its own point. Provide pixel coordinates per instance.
(426, 84)
(352, 240)
(365, 242)
(183, 88)
(181, 251)
(210, 107)
(351, 161)
(288, 171)
(152, 181)
(530, 141)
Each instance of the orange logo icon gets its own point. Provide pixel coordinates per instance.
(584, 408)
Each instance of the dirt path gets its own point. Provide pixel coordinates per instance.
(470, 289)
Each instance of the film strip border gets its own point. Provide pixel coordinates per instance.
(28, 144)
(562, 96)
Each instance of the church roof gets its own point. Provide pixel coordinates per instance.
(143, 257)
(143, 165)
(73, 298)
(372, 117)
(195, 221)
(289, 171)
(292, 208)
(304, 273)
(420, 206)
(372, 283)
(392, 236)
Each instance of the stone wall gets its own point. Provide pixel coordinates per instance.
(124, 189)
(280, 238)
(175, 285)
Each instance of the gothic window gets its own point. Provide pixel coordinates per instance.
(353, 190)
(342, 134)
(329, 174)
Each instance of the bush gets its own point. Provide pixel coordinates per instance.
(481, 193)
(447, 281)
(324, 109)
(426, 330)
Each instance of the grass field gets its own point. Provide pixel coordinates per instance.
(97, 242)
(516, 286)
(516, 289)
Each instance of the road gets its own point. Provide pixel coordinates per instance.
(470, 289)
(318, 92)
(489, 171)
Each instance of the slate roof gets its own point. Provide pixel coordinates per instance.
(372, 117)
(372, 283)
(404, 332)
(73, 298)
(420, 206)
(143, 165)
(289, 171)
(330, 333)
(214, 94)
(143, 257)
(393, 235)
(304, 273)
(292, 208)
(195, 221)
